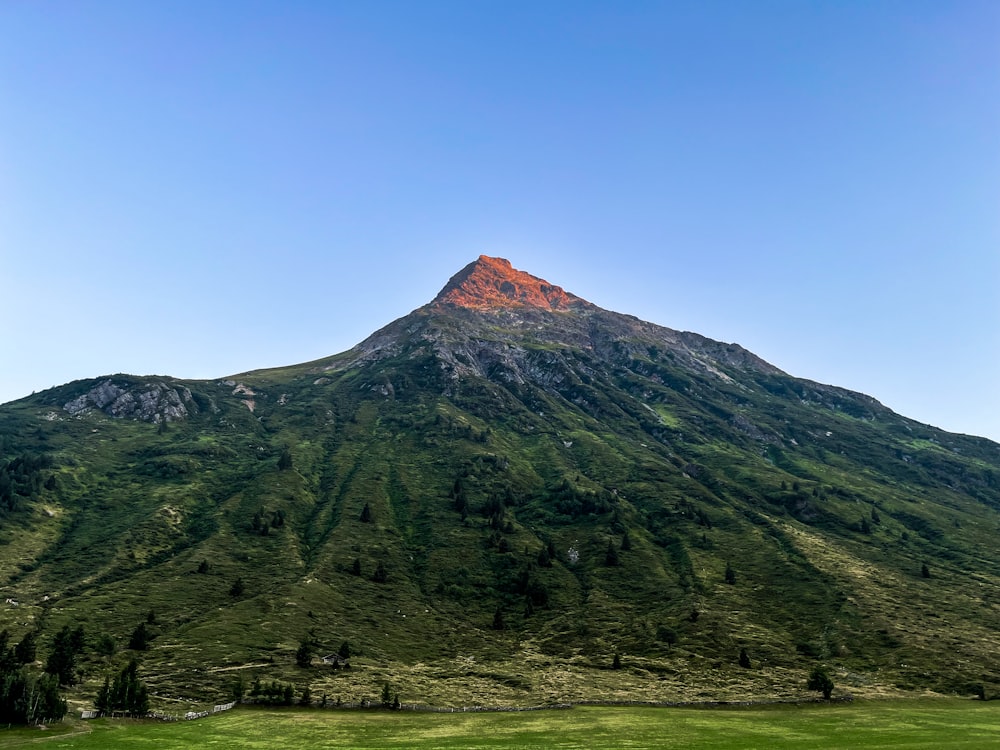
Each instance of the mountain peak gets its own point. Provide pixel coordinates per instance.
(493, 283)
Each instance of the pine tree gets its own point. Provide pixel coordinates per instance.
(102, 703)
(128, 693)
(304, 654)
(820, 680)
(611, 555)
(744, 659)
(62, 659)
(543, 558)
(25, 650)
(730, 574)
(139, 641)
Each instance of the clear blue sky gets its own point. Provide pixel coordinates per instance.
(202, 188)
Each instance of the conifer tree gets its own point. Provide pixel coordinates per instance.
(25, 650)
(139, 641)
(304, 654)
(820, 680)
(611, 555)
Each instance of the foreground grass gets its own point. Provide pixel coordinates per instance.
(938, 724)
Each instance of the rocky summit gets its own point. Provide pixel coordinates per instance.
(493, 283)
(510, 496)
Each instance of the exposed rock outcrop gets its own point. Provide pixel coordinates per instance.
(153, 401)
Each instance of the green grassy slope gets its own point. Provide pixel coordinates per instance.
(592, 496)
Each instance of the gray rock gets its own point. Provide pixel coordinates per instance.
(153, 401)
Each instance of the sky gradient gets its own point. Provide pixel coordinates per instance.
(198, 189)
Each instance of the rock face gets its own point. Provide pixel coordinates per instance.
(491, 283)
(154, 401)
(494, 321)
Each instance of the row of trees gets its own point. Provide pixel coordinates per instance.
(126, 693)
(26, 698)
(21, 478)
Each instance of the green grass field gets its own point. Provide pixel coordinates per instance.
(938, 724)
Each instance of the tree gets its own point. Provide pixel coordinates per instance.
(730, 574)
(25, 650)
(611, 555)
(106, 645)
(616, 662)
(26, 699)
(925, 571)
(126, 693)
(102, 703)
(498, 623)
(304, 654)
(237, 589)
(237, 688)
(356, 566)
(285, 459)
(666, 634)
(306, 699)
(62, 659)
(626, 544)
(386, 696)
(744, 659)
(345, 650)
(203, 567)
(820, 680)
(49, 705)
(139, 640)
(366, 514)
(380, 575)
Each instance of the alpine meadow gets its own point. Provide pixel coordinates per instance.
(508, 497)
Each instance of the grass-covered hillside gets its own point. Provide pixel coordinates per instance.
(505, 504)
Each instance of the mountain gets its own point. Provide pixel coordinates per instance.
(498, 499)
